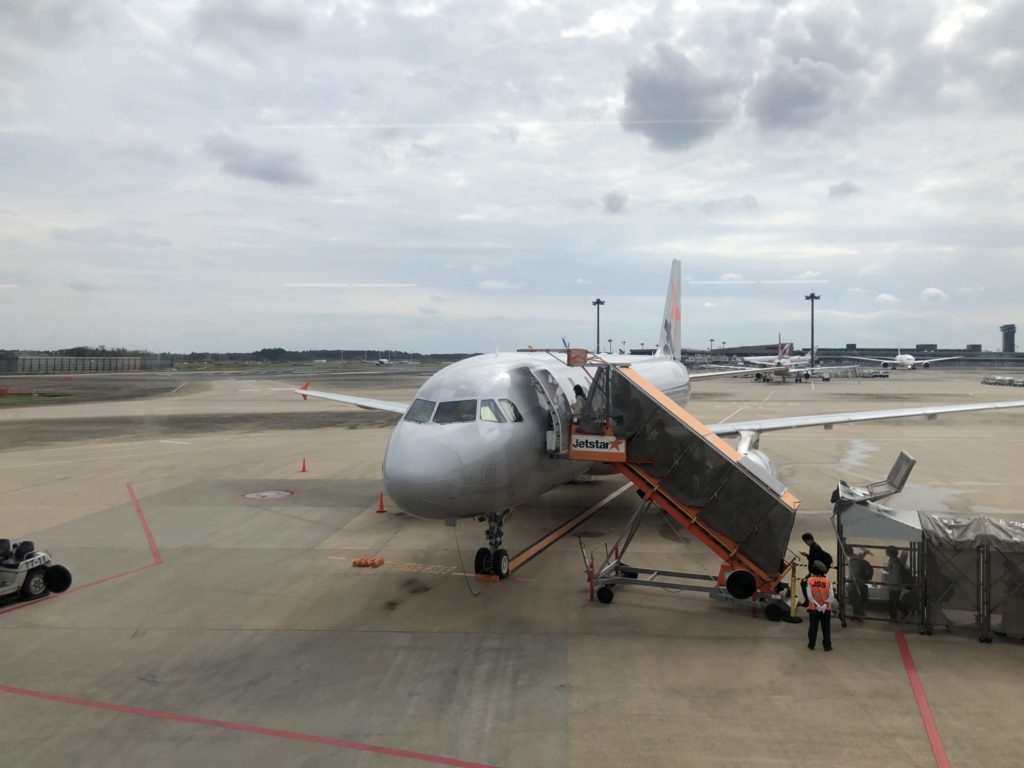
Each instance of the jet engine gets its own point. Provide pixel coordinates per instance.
(926, 365)
(885, 365)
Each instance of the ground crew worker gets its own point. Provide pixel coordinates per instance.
(819, 606)
(894, 581)
(579, 402)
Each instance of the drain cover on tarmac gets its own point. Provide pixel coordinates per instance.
(267, 495)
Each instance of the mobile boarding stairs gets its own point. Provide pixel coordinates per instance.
(724, 497)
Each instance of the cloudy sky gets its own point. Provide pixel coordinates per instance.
(463, 176)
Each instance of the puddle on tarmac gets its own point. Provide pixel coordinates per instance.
(856, 455)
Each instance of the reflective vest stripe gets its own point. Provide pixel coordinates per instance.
(819, 587)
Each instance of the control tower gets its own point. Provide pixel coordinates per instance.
(1009, 338)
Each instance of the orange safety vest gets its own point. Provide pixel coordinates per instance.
(819, 587)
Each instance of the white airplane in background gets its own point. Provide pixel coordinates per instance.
(474, 441)
(785, 363)
(784, 356)
(383, 361)
(905, 361)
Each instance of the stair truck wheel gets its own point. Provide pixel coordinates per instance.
(58, 578)
(605, 595)
(773, 612)
(35, 584)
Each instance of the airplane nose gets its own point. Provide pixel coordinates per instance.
(422, 480)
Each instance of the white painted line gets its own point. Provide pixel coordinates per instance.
(732, 414)
(175, 442)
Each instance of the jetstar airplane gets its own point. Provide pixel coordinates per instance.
(478, 438)
(906, 361)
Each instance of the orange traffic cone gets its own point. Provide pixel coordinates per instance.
(303, 465)
(380, 503)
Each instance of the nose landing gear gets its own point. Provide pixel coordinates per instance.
(493, 560)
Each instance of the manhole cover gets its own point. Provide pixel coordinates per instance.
(267, 495)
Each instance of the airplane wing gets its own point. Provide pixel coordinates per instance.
(827, 420)
(808, 369)
(362, 402)
(733, 372)
(937, 359)
(872, 359)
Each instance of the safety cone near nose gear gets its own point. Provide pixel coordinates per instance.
(380, 503)
(303, 465)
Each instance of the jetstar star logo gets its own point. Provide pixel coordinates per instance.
(596, 443)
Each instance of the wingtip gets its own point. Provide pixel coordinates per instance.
(305, 387)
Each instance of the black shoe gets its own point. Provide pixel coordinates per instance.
(828, 649)
(810, 646)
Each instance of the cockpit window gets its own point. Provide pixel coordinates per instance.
(420, 411)
(489, 411)
(510, 410)
(455, 412)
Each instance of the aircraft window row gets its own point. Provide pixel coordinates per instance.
(420, 411)
(463, 411)
(455, 412)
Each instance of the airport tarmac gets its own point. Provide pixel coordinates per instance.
(208, 628)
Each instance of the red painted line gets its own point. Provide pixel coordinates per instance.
(157, 559)
(922, 702)
(154, 550)
(229, 726)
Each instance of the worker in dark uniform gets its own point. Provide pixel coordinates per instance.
(579, 401)
(819, 606)
(894, 581)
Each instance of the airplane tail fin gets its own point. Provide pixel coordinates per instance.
(669, 344)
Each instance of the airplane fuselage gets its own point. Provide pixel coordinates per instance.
(439, 468)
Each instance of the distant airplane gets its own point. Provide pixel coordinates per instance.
(382, 361)
(785, 363)
(905, 361)
(477, 440)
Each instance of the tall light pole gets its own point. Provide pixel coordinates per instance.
(609, 346)
(812, 297)
(711, 347)
(598, 303)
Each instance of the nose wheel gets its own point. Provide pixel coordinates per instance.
(493, 560)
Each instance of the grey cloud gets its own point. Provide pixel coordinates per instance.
(665, 93)
(273, 166)
(795, 94)
(731, 206)
(843, 189)
(614, 202)
(989, 53)
(826, 34)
